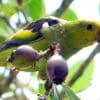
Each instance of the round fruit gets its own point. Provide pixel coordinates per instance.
(57, 69)
(24, 57)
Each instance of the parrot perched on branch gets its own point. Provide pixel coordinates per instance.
(71, 35)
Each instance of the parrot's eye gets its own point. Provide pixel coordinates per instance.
(89, 27)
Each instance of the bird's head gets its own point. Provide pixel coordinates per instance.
(87, 30)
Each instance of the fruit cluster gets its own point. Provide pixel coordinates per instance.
(56, 66)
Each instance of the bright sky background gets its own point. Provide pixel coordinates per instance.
(85, 9)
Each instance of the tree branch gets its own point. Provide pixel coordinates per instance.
(6, 82)
(80, 71)
(65, 4)
(7, 22)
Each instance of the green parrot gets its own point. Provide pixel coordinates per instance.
(71, 35)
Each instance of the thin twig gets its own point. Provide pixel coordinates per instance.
(7, 22)
(3, 73)
(24, 15)
(18, 14)
(65, 4)
(6, 82)
(26, 19)
(22, 90)
(80, 71)
(48, 86)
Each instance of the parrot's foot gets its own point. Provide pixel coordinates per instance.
(14, 69)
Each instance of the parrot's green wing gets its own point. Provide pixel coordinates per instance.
(28, 34)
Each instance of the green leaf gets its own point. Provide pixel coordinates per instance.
(18, 3)
(54, 93)
(69, 15)
(71, 95)
(41, 67)
(5, 31)
(85, 79)
(34, 8)
(41, 88)
(73, 69)
(7, 10)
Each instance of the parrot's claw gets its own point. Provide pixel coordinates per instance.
(14, 69)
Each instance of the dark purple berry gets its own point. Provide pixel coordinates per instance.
(27, 52)
(57, 69)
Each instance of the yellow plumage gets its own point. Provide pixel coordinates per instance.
(22, 34)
